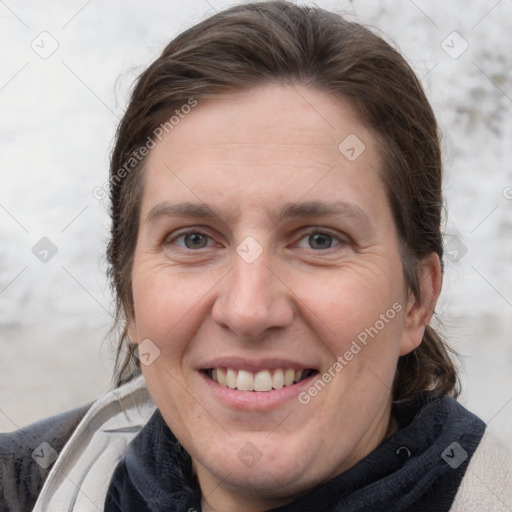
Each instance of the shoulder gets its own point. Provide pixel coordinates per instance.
(80, 476)
(487, 483)
(26, 456)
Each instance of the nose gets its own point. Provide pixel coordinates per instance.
(253, 300)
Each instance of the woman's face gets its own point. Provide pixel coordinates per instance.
(267, 254)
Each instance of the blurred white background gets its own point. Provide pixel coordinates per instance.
(66, 71)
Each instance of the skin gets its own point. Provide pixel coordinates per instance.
(245, 156)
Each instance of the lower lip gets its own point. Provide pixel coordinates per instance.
(256, 400)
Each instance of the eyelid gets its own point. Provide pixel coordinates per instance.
(175, 235)
(342, 238)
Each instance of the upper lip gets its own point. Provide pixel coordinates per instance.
(253, 365)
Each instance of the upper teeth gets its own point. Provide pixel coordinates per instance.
(264, 380)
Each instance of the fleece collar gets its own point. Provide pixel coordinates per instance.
(418, 468)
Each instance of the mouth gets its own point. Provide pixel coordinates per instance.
(261, 381)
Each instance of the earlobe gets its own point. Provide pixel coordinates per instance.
(419, 311)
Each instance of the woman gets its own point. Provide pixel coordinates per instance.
(276, 256)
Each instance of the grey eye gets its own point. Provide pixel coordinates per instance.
(194, 240)
(320, 241)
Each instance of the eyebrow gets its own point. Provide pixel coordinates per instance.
(187, 209)
(287, 211)
(319, 209)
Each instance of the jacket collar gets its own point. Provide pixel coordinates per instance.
(420, 465)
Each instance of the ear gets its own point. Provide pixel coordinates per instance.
(419, 311)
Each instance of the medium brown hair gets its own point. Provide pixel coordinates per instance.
(279, 42)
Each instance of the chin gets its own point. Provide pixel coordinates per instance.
(276, 472)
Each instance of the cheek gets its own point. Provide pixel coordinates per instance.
(169, 308)
(358, 318)
(344, 304)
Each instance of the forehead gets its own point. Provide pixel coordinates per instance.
(298, 115)
(274, 144)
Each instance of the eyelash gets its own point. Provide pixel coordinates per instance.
(342, 240)
(184, 234)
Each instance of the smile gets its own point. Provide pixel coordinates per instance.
(263, 380)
